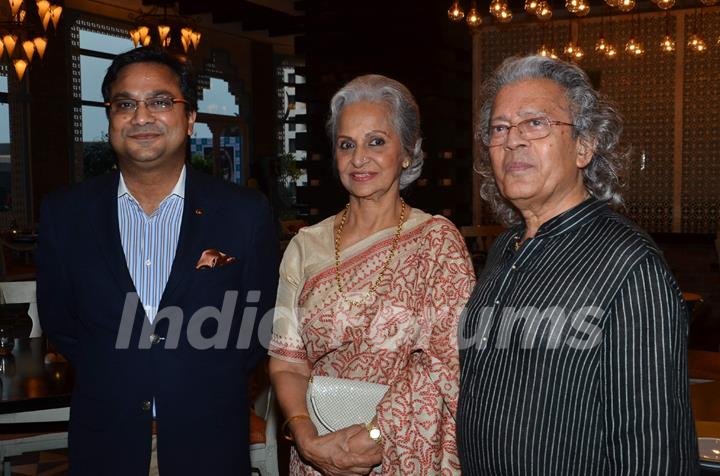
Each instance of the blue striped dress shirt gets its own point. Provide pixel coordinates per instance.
(150, 241)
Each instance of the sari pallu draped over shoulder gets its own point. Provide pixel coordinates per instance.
(404, 335)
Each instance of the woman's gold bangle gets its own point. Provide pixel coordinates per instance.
(284, 430)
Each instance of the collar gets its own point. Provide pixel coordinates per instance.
(178, 189)
(570, 219)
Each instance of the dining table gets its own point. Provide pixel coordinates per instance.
(35, 383)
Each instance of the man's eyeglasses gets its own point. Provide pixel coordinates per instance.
(128, 106)
(529, 129)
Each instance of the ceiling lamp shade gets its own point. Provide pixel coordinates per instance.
(20, 67)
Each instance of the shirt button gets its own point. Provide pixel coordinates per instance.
(148, 262)
(497, 302)
(514, 267)
(146, 405)
(154, 338)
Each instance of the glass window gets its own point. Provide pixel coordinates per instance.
(90, 40)
(97, 42)
(201, 148)
(218, 99)
(92, 72)
(94, 123)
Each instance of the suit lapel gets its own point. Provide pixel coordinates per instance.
(191, 234)
(107, 231)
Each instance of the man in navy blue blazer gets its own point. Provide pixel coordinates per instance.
(157, 282)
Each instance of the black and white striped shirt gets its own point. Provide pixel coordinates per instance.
(573, 355)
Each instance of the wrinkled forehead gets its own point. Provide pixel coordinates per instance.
(530, 96)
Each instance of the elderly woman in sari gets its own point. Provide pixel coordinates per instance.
(374, 293)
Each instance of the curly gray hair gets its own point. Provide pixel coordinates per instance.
(596, 123)
(404, 115)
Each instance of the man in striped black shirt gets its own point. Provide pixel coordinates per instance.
(573, 347)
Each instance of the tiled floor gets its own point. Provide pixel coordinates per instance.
(44, 463)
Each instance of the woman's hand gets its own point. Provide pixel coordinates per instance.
(361, 443)
(331, 454)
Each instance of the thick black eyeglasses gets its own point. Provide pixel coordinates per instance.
(532, 128)
(128, 106)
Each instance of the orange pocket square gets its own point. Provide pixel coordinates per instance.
(213, 258)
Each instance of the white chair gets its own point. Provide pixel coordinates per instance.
(263, 456)
(18, 292)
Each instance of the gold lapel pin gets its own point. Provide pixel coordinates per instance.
(199, 211)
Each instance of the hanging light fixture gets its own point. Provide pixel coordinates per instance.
(531, 6)
(173, 31)
(24, 33)
(633, 47)
(665, 4)
(625, 5)
(497, 6)
(572, 5)
(667, 43)
(583, 9)
(473, 17)
(696, 42)
(543, 12)
(544, 51)
(602, 46)
(572, 49)
(547, 52)
(455, 12)
(505, 16)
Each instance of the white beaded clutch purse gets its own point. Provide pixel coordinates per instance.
(336, 403)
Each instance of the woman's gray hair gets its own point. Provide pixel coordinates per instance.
(404, 115)
(596, 123)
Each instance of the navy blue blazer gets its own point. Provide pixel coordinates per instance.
(200, 394)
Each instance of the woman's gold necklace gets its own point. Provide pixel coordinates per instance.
(393, 251)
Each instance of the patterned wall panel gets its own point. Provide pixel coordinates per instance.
(644, 90)
(701, 140)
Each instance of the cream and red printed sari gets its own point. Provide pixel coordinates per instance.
(404, 335)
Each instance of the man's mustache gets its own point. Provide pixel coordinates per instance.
(144, 130)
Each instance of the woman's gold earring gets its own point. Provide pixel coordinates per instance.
(405, 164)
